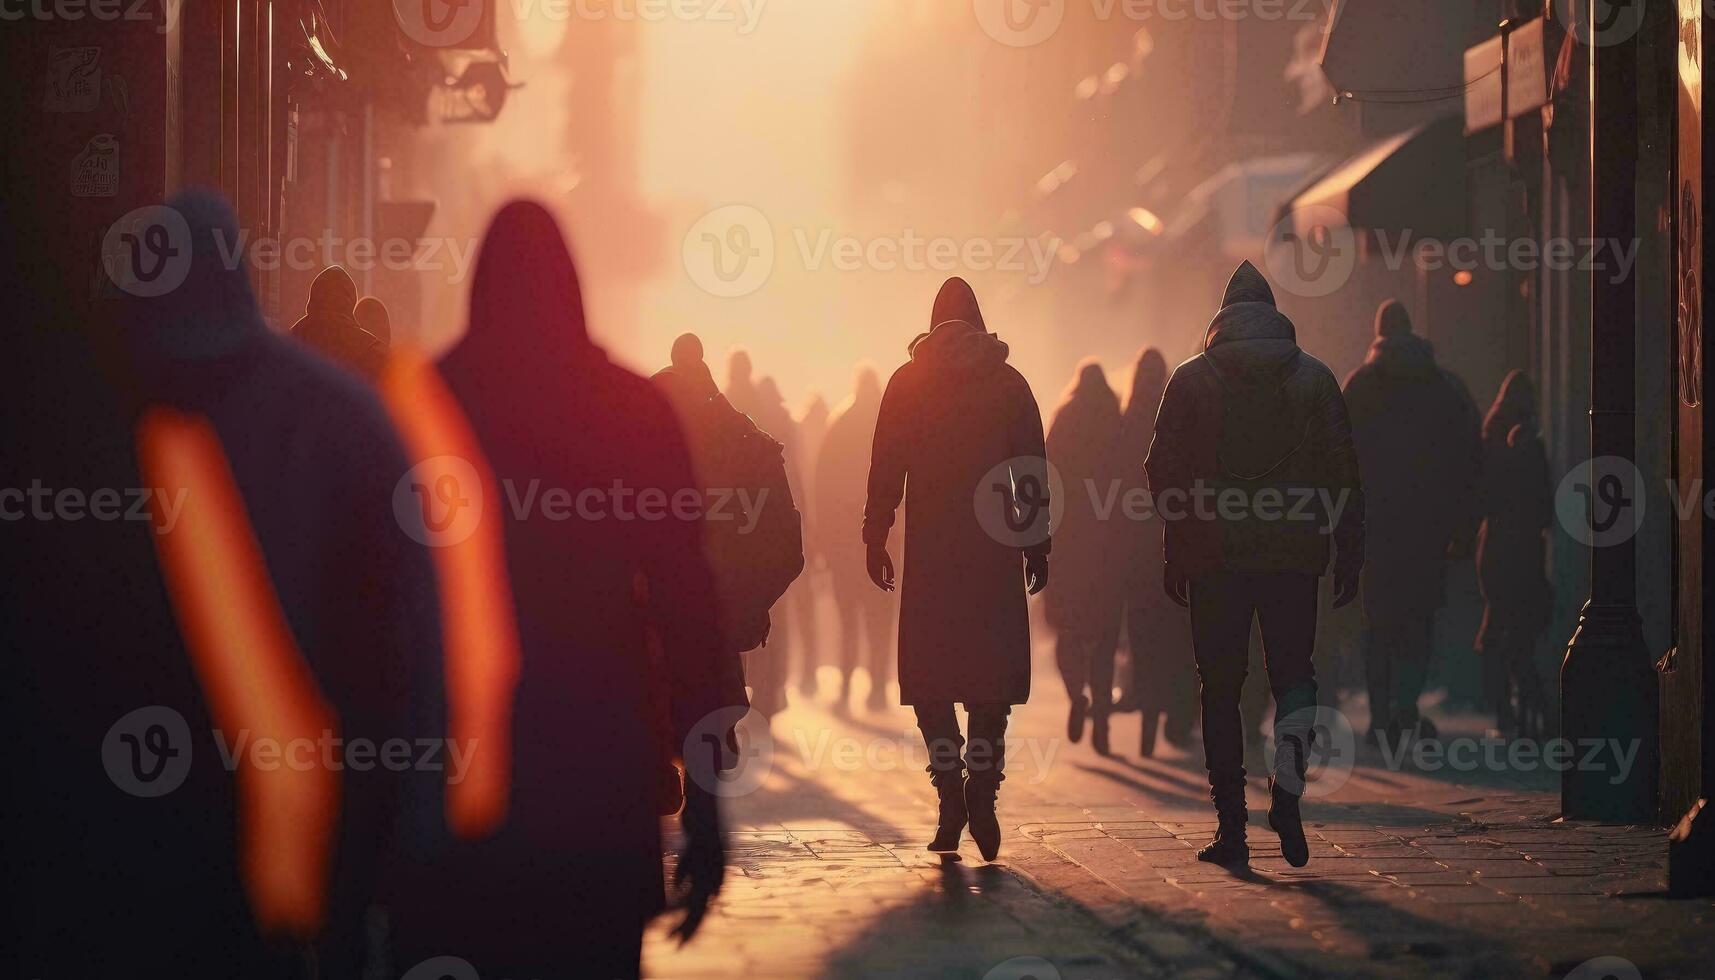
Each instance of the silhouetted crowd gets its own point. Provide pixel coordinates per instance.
(465, 632)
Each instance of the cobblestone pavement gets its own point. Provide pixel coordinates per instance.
(1411, 874)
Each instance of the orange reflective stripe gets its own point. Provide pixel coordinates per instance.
(249, 668)
(479, 631)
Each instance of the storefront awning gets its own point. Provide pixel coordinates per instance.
(1401, 50)
(1413, 181)
(1232, 210)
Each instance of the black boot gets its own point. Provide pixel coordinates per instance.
(1146, 745)
(980, 792)
(950, 821)
(1099, 731)
(1229, 847)
(1075, 719)
(1283, 815)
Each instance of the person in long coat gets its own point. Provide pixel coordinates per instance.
(1085, 606)
(1512, 544)
(959, 440)
(866, 615)
(1418, 450)
(329, 325)
(1158, 630)
(566, 883)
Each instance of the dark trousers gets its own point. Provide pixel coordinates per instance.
(984, 755)
(1223, 606)
(1086, 661)
(1396, 664)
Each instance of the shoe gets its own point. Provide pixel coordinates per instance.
(950, 819)
(1283, 815)
(1229, 848)
(1099, 734)
(1075, 719)
(980, 793)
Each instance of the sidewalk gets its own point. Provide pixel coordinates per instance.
(1411, 875)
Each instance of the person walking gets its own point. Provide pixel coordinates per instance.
(1517, 511)
(1163, 685)
(866, 615)
(329, 325)
(1419, 451)
(959, 440)
(1085, 606)
(1259, 426)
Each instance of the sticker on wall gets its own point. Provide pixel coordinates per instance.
(95, 171)
(74, 80)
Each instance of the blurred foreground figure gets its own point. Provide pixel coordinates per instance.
(842, 472)
(1517, 510)
(588, 458)
(754, 543)
(1084, 607)
(270, 609)
(329, 325)
(1416, 435)
(1158, 630)
(959, 438)
(1255, 420)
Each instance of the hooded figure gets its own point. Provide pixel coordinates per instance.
(959, 440)
(371, 314)
(329, 325)
(1158, 631)
(1253, 470)
(842, 473)
(1416, 435)
(741, 382)
(1517, 509)
(1085, 606)
(315, 461)
(567, 882)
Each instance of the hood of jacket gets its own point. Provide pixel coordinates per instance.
(959, 348)
(1403, 356)
(1249, 340)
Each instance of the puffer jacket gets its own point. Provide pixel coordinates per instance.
(1305, 490)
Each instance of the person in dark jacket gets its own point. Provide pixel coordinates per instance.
(155, 853)
(1253, 470)
(371, 314)
(329, 325)
(842, 474)
(1158, 630)
(566, 882)
(959, 440)
(1419, 452)
(1517, 510)
(1085, 606)
(756, 558)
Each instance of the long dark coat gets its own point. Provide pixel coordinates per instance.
(1517, 508)
(1418, 450)
(1089, 545)
(952, 420)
